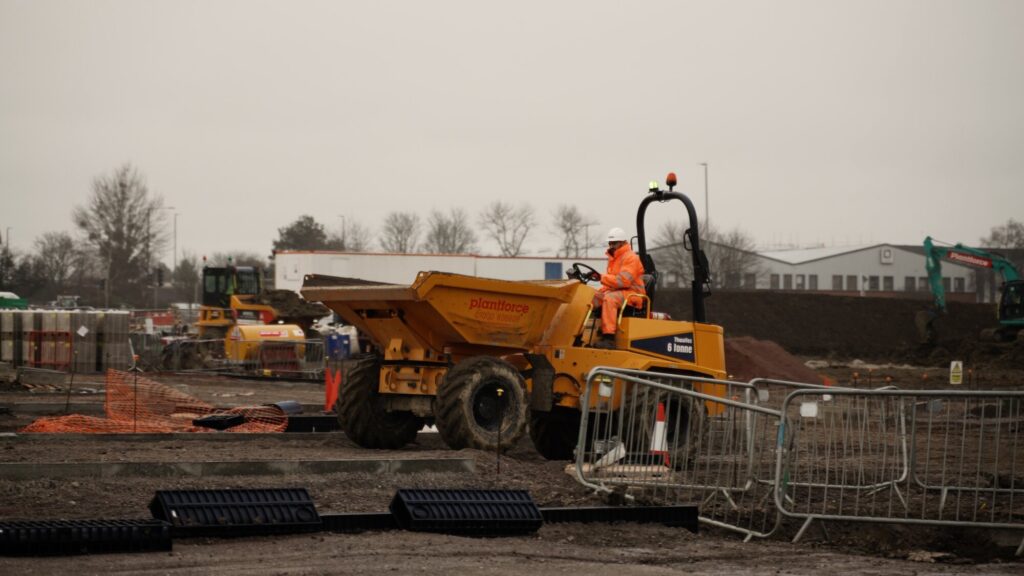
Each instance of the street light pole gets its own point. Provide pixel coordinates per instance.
(707, 211)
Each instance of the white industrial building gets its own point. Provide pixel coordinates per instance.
(291, 266)
(876, 268)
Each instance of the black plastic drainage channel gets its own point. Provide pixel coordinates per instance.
(242, 512)
(65, 537)
(471, 512)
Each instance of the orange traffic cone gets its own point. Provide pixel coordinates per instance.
(331, 385)
(659, 438)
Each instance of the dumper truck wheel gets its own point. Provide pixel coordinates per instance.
(362, 411)
(476, 397)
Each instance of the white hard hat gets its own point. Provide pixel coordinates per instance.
(617, 235)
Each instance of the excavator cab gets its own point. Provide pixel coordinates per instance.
(1011, 305)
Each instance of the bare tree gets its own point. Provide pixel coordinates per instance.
(449, 234)
(401, 232)
(507, 225)
(59, 259)
(353, 237)
(730, 255)
(1010, 235)
(126, 225)
(572, 228)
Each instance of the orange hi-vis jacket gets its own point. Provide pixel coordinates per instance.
(624, 272)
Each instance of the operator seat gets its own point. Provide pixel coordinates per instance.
(637, 307)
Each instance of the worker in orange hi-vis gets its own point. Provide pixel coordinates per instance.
(624, 277)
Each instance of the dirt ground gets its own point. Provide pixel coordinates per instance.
(594, 549)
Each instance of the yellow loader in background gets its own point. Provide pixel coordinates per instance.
(246, 327)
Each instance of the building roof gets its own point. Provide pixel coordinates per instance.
(803, 255)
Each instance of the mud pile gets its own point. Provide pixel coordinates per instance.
(747, 358)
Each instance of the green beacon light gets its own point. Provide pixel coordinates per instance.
(652, 186)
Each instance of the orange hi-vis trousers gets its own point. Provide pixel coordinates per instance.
(610, 302)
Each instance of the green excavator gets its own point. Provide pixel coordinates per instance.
(1010, 312)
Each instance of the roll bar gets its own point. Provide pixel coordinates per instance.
(701, 273)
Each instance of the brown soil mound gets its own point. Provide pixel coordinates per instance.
(747, 358)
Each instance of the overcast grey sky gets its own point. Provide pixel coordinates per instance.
(822, 121)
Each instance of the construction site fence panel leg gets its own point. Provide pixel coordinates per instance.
(944, 458)
(672, 439)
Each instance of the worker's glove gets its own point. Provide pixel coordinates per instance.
(594, 276)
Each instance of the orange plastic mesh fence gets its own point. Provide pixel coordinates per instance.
(136, 404)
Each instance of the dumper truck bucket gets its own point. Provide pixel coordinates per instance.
(441, 310)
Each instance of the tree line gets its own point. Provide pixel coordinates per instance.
(453, 232)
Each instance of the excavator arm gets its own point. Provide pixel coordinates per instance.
(934, 255)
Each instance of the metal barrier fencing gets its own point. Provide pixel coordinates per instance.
(751, 453)
(901, 456)
(679, 439)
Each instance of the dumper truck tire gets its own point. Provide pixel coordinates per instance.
(469, 408)
(362, 410)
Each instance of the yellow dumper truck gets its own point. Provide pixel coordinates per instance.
(484, 359)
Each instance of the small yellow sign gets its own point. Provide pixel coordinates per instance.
(956, 372)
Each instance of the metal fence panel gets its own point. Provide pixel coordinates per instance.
(915, 457)
(671, 439)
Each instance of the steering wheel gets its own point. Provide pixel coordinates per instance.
(585, 275)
